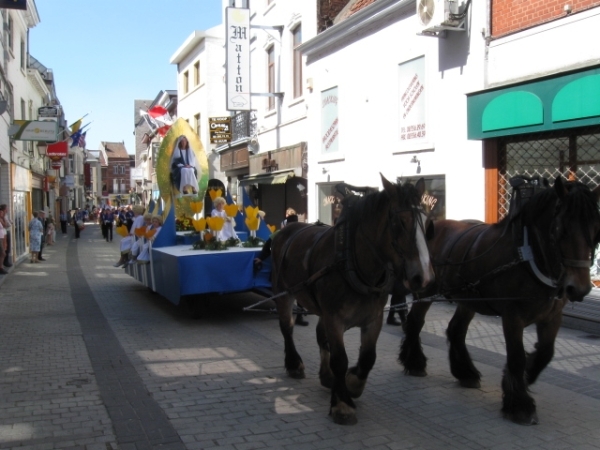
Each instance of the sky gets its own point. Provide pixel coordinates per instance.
(105, 54)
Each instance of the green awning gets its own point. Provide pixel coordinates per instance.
(566, 101)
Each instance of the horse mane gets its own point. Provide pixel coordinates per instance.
(356, 208)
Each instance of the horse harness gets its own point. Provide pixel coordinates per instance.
(523, 189)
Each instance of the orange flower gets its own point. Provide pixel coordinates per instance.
(231, 210)
(140, 232)
(200, 224)
(272, 228)
(196, 207)
(215, 223)
(252, 223)
(208, 237)
(214, 193)
(150, 233)
(251, 211)
(122, 230)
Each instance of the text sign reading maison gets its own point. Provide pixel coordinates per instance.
(238, 58)
(220, 129)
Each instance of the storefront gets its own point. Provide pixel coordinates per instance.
(21, 209)
(548, 127)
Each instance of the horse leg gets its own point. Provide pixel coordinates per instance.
(293, 362)
(325, 373)
(461, 364)
(517, 404)
(411, 352)
(544, 348)
(343, 410)
(356, 378)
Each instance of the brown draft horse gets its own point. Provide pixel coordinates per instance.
(523, 269)
(344, 274)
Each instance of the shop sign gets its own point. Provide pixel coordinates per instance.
(220, 129)
(237, 47)
(33, 130)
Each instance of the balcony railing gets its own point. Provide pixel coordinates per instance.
(243, 125)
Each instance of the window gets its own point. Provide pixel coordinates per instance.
(186, 82)
(9, 33)
(197, 124)
(271, 76)
(297, 61)
(197, 73)
(23, 110)
(23, 55)
(116, 170)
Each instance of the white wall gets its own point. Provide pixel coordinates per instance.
(366, 73)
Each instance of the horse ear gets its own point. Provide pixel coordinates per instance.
(388, 186)
(559, 187)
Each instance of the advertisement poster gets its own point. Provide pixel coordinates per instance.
(413, 104)
(329, 122)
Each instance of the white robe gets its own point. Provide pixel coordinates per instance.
(187, 173)
(227, 231)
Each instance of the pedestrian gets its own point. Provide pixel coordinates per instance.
(50, 230)
(64, 220)
(2, 242)
(288, 212)
(107, 219)
(36, 232)
(42, 219)
(8, 227)
(78, 223)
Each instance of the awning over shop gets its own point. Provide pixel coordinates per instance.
(271, 178)
(553, 103)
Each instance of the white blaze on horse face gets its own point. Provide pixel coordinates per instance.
(423, 252)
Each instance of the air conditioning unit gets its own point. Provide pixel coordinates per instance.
(439, 15)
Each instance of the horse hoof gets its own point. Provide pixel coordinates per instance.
(344, 415)
(355, 385)
(297, 374)
(523, 418)
(416, 372)
(470, 384)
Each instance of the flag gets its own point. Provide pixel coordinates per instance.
(75, 137)
(82, 140)
(163, 130)
(157, 111)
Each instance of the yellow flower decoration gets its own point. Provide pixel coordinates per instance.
(140, 232)
(122, 230)
(231, 210)
(272, 228)
(214, 193)
(215, 223)
(251, 211)
(150, 233)
(252, 223)
(196, 207)
(199, 225)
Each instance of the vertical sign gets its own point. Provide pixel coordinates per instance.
(413, 121)
(329, 121)
(238, 58)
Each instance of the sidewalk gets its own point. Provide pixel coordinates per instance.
(90, 359)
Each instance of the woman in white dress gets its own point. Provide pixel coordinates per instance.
(227, 231)
(185, 169)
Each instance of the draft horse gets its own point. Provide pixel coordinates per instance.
(344, 274)
(524, 269)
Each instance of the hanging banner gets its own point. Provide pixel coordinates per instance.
(14, 4)
(33, 130)
(237, 48)
(58, 149)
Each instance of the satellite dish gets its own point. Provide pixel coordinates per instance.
(425, 10)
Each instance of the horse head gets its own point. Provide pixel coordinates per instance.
(575, 230)
(410, 230)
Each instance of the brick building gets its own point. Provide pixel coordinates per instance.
(116, 172)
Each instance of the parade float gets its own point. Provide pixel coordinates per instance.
(186, 258)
